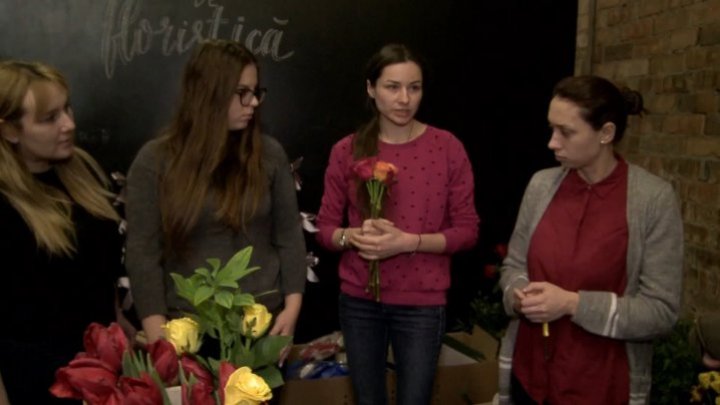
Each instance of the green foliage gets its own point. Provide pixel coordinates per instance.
(134, 364)
(675, 367)
(486, 309)
(219, 302)
(488, 313)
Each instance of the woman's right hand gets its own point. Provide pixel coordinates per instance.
(519, 297)
(153, 327)
(546, 302)
(380, 239)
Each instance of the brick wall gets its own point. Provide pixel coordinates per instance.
(669, 50)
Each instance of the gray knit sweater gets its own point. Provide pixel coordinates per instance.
(274, 232)
(650, 304)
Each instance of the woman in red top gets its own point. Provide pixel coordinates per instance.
(428, 215)
(594, 268)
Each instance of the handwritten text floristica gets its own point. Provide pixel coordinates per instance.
(126, 34)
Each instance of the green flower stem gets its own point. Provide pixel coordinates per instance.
(224, 346)
(376, 192)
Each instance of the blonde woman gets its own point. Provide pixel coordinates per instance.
(209, 186)
(59, 243)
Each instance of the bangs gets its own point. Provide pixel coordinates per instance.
(46, 94)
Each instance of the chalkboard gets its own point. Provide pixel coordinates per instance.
(493, 64)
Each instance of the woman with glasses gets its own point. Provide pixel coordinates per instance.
(428, 215)
(209, 186)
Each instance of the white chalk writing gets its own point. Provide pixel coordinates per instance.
(127, 34)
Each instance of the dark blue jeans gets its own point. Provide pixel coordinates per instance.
(415, 334)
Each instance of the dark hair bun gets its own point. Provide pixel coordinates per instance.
(633, 101)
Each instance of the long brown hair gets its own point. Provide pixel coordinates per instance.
(46, 210)
(203, 158)
(365, 142)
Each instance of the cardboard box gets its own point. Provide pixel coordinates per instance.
(325, 391)
(467, 374)
(467, 369)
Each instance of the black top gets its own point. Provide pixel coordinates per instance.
(46, 301)
(54, 298)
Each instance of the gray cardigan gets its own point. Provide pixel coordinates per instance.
(274, 232)
(650, 304)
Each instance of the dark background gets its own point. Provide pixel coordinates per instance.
(492, 67)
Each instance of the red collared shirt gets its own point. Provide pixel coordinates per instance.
(580, 244)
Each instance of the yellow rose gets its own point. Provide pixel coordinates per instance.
(245, 388)
(183, 333)
(704, 379)
(256, 320)
(715, 385)
(695, 394)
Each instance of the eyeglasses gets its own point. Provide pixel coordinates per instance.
(247, 95)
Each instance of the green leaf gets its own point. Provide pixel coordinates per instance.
(228, 283)
(239, 273)
(237, 266)
(234, 322)
(240, 259)
(197, 280)
(214, 365)
(214, 263)
(224, 299)
(243, 300)
(158, 381)
(271, 375)
(183, 287)
(202, 294)
(128, 365)
(240, 356)
(267, 350)
(204, 272)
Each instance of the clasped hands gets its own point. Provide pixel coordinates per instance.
(378, 239)
(541, 301)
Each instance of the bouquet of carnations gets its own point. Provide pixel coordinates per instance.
(110, 371)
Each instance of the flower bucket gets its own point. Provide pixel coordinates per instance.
(174, 395)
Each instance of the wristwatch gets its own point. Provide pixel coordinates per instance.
(343, 239)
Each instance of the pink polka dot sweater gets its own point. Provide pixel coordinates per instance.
(434, 193)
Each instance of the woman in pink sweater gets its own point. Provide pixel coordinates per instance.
(428, 215)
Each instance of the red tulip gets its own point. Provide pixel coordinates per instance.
(87, 378)
(140, 391)
(193, 367)
(107, 344)
(363, 168)
(224, 375)
(164, 359)
(199, 394)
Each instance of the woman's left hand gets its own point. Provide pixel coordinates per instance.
(284, 324)
(546, 302)
(286, 320)
(386, 242)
